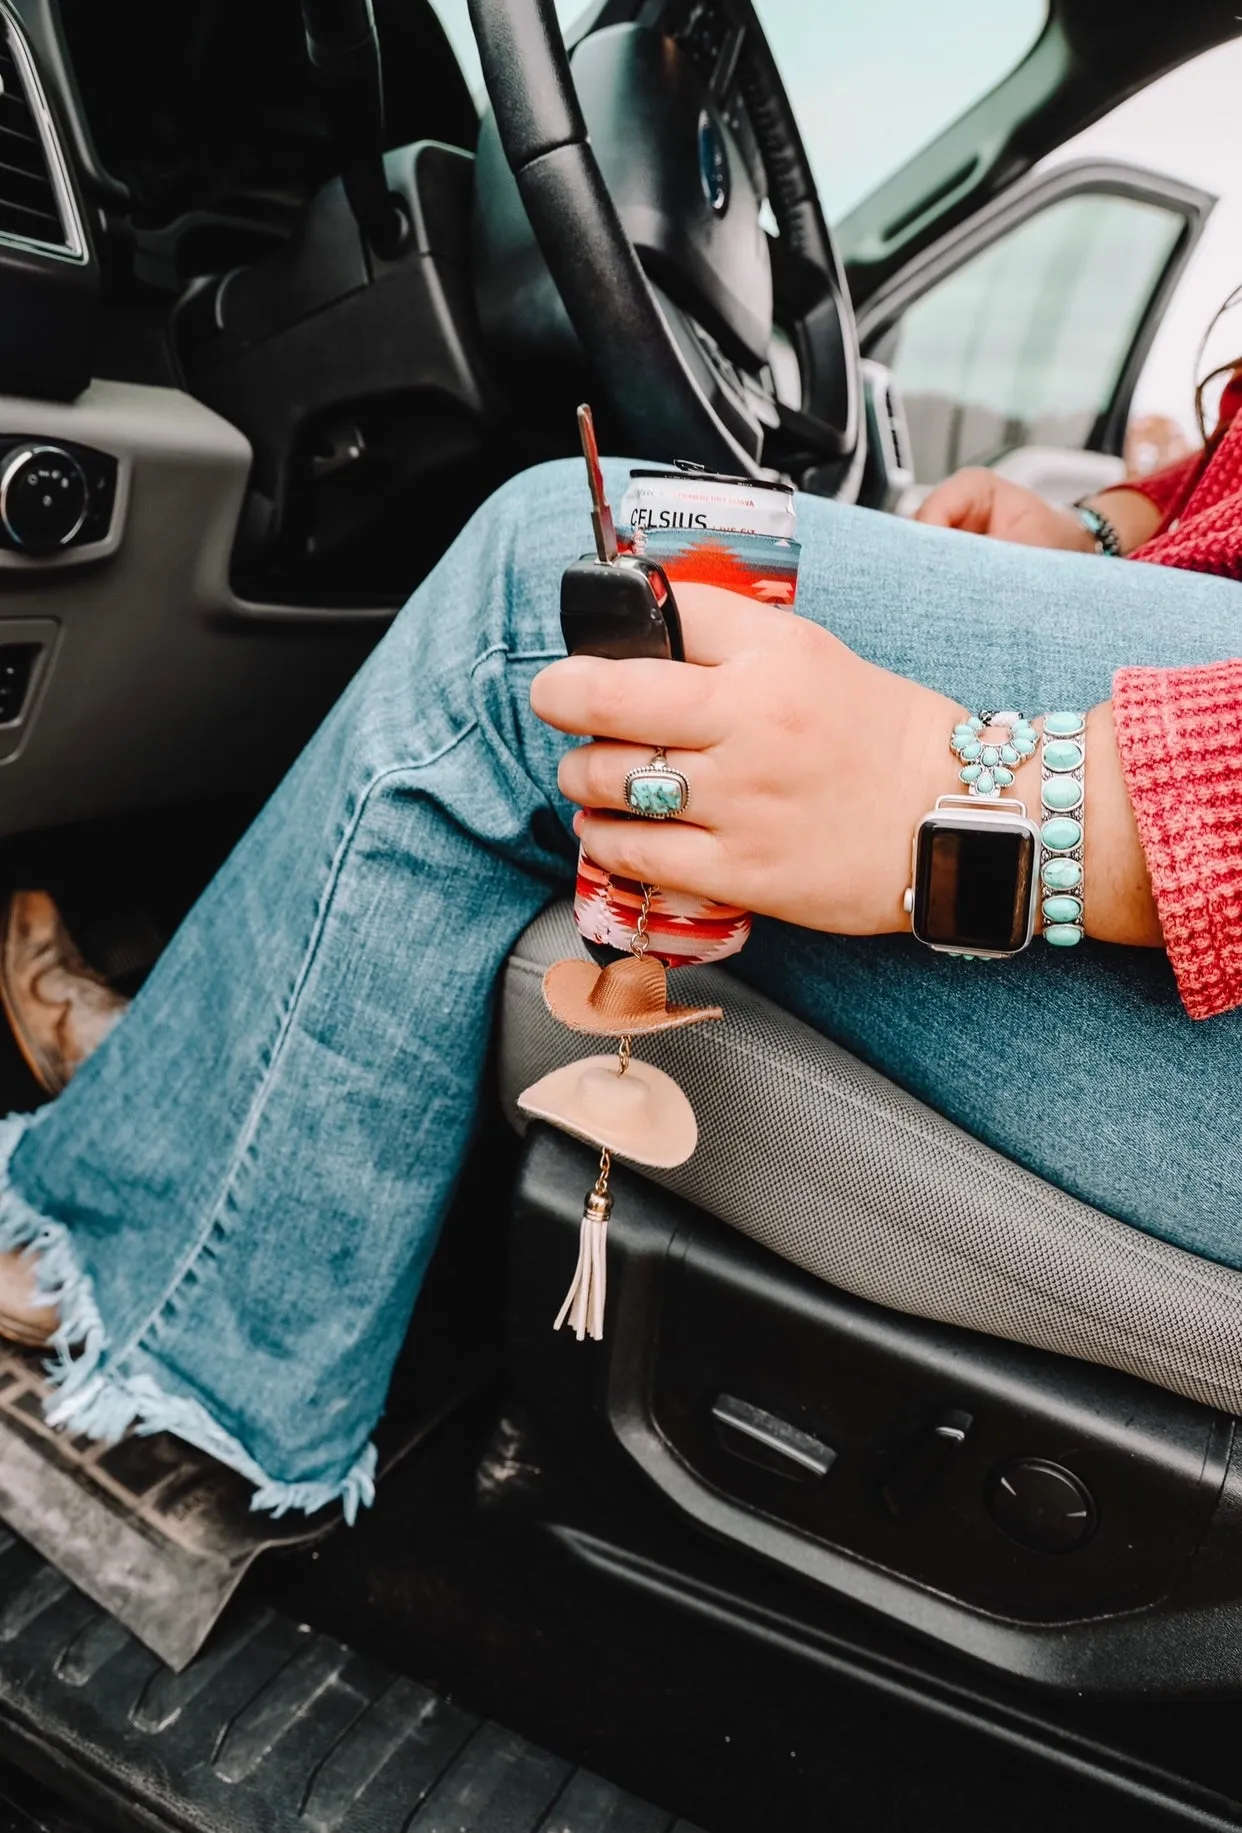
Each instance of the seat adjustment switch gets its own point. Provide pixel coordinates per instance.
(761, 1438)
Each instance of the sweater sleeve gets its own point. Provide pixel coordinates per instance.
(1179, 734)
(1167, 489)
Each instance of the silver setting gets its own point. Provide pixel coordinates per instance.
(659, 770)
(73, 248)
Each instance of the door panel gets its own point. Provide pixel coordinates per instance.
(1028, 327)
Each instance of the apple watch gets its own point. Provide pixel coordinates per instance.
(976, 877)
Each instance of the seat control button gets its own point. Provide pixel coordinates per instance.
(761, 1438)
(921, 1463)
(1043, 1507)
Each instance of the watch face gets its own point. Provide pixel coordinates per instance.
(972, 886)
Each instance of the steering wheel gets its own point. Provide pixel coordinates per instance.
(642, 164)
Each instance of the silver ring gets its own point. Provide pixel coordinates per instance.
(656, 791)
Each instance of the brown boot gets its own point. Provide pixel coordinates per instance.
(60, 1009)
(23, 1319)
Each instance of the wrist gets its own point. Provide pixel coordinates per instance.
(929, 770)
(1118, 906)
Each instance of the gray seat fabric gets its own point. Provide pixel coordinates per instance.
(822, 1160)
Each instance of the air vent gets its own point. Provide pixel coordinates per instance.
(36, 205)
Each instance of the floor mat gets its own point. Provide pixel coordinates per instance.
(156, 1532)
(273, 1729)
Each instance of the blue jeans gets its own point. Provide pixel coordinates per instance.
(235, 1201)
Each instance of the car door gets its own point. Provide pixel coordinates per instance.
(1017, 339)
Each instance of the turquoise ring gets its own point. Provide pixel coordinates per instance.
(656, 791)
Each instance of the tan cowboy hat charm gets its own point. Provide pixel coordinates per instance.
(624, 1107)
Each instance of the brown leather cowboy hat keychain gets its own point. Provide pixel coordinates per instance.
(627, 1108)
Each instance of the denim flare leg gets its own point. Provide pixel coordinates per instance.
(235, 1201)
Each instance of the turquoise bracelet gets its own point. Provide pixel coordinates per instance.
(1062, 758)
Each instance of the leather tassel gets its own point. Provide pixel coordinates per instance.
(583, 1309)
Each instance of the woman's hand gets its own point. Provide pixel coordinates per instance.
(808, 770)
(981, 503)
(807, 766)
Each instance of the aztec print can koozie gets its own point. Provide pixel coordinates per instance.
(722, 531)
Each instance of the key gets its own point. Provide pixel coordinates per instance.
(612, 604)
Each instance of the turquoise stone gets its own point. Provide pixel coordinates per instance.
(1061, 874)
(1063, 935)
(656, 794)
(1062, 754)
(969, 751)
(1022, 744)
(1023, 729)
(1063, 725)
(975, 723)
(969, 773)
(1009, 754)
(991, 755)
(1003, 777)
(1062, 909)
(1061, 793)
(963, 732)
(1060, 834)
(985, 783)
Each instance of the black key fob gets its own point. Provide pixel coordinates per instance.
(618, 608)
(615, 605)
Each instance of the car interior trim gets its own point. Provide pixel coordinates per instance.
(74, 247)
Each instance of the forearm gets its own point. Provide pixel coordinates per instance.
(1135, 517)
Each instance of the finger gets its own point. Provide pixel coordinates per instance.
(594, 775)
(664, 853)
(960, 502)
(717, 624)
(944, 508)
(643, 701)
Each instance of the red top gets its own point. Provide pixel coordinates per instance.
(1179, 732)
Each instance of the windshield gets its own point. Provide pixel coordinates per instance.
(870, 84)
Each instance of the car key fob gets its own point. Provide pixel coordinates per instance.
(615, 605)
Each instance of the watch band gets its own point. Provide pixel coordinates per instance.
(988, 765)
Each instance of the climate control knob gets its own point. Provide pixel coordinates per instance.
(44, 497)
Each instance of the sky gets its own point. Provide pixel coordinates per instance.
(873, 82)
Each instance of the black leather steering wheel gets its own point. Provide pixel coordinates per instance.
(641, 167)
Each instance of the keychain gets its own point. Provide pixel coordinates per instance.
(627, 1108)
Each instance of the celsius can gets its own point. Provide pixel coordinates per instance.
(720, 531)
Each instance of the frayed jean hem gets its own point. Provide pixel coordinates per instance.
(104, 1403)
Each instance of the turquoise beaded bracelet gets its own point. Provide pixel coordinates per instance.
(1062, 758)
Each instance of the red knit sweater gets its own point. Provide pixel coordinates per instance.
(1179, 732)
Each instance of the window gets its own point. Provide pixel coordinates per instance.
(1024, 344)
